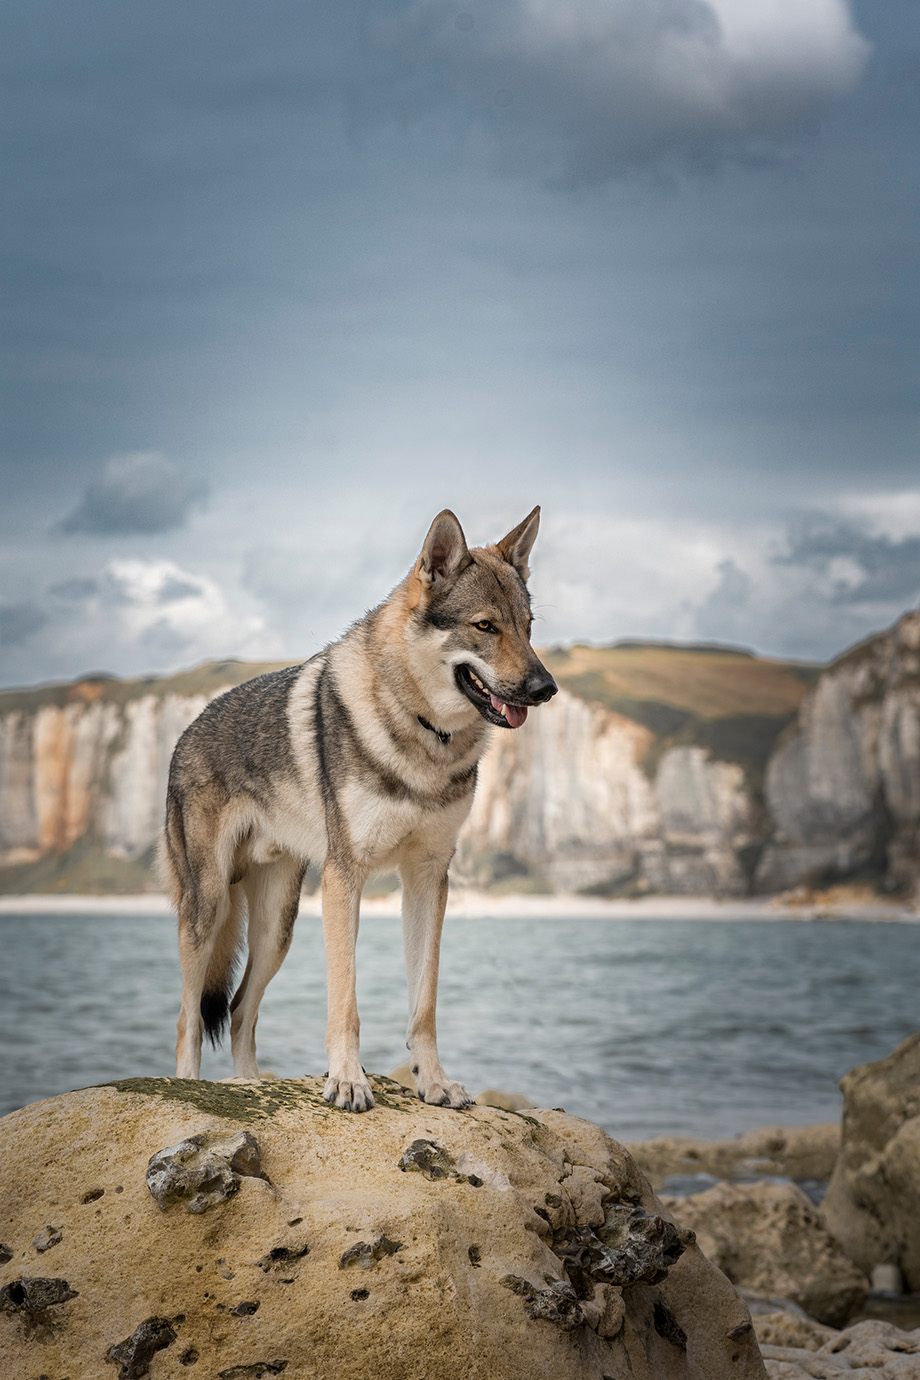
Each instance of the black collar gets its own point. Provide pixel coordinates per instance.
(445, 737)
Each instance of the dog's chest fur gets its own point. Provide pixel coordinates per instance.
(370, 774)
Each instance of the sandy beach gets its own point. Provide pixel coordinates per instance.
(836, 905)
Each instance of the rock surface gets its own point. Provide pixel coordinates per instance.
(796, 1152)
(537, 1251)
(868, 1350)
(769, 1238)
(780, 1322)
(873, 1202)
(843, 791)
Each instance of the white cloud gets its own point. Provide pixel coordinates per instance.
(893, 515)
(592, 85)
(157, 603)
(602, 577)
(806, 588)
(137, 616)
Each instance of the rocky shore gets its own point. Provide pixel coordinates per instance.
(825, 1275)
(167, 1228)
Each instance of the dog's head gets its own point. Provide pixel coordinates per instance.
(472, 608)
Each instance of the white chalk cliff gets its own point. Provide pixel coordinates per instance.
(584, 796)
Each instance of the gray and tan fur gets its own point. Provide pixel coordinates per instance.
(359, 761)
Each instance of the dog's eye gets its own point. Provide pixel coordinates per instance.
(485, 626)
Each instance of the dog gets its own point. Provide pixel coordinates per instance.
(362, 759)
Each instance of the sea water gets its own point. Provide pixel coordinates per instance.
(647, 1026)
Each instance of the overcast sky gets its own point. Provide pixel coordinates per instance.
(282, 280)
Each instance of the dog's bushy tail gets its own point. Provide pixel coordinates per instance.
(215, 1012)
(220, 982)
(221, 946)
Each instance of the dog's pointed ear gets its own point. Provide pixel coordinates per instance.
(516, 547)
(445, 551)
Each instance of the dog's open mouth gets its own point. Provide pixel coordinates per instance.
(491, 706)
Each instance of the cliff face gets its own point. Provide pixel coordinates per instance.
(843, 790)
(83, 772)
(654, 769)
(572, 803)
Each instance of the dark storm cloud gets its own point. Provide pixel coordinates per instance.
(337, 255)
(590, 87)
(138, 493)
(859, 566)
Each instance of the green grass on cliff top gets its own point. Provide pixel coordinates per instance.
(705, 682)
(205, 680)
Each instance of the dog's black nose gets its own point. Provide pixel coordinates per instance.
(540, 686)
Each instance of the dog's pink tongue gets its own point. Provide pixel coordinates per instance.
(515, 714)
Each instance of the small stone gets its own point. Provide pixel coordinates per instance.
(428, 1159)
(254, 1371)
(636, 1246)
(203, 1170)
(51, 1236)
(246, 1309)
(94, 1194)
(558, 1304)
(6, 1254)
(667, 1326)
(279, 1256)
(31, 1295)
(518, 1285)
(365, 1255)
(134, 1354)
(887, 1281)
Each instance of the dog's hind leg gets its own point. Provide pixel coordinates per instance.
(346, 1083)
(424, 882)
(272, 896)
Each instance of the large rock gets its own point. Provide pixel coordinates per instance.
(412, 1241)
(769, 1238)
(873, 1203)
(797, 1152)
(868, 1350)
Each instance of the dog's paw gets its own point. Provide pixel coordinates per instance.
(441, 1093)
(351, 1097)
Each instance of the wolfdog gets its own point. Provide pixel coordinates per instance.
(360, 760)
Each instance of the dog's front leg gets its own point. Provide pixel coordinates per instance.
(424, 900)
(346, 1084)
